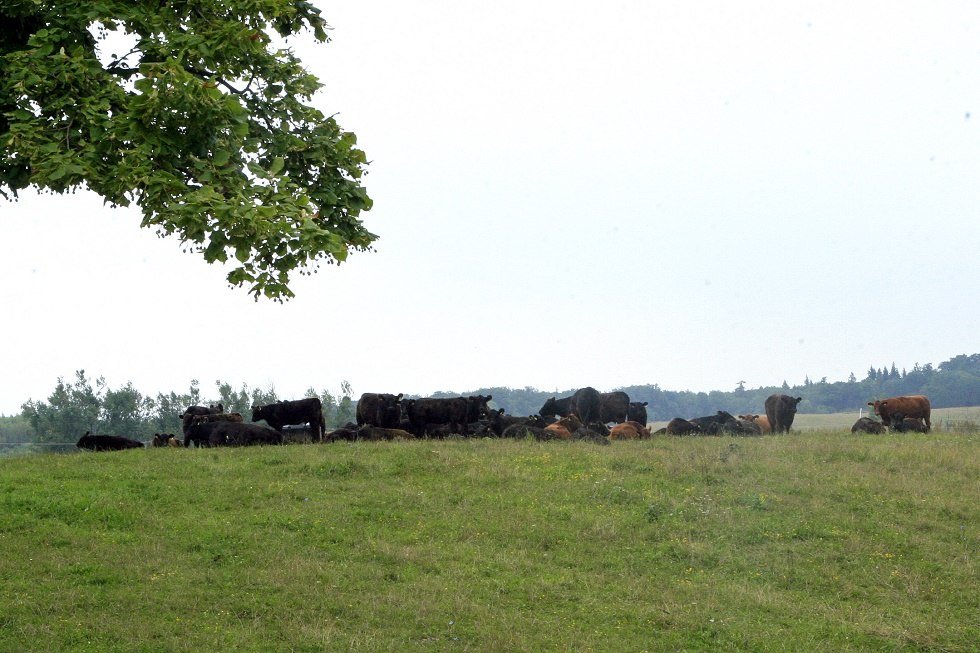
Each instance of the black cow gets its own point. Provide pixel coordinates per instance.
(301, 411)
(781, 409)
(197, 411)
(585, 404)
(717, 424)
(637, 412)
(438, 416)
(556, 407)
(747, 427)
(230, 434)
(613, 407)
(868, 425)
(94, 442)
(681, 426)
(379, 409)
(903, 424)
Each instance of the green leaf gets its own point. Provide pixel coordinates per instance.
(221, 157)
(277, 164)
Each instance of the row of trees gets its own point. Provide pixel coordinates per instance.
(87, 405)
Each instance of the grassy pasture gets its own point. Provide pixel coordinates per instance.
(818, 541)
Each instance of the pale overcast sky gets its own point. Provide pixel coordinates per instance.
(570, 193)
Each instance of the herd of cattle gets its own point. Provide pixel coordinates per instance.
(585, 415)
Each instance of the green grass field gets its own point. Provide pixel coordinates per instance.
(816, 541)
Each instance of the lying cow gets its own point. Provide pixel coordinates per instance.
(868, 425)
(565, 427)
(230, 434)
(93, 442)
(903, 424)
(759, 420)
(717, 424)
(165, 440)
(681, 426)
(915, 406)
(629, 431)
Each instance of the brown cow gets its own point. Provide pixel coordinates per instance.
(565, 427)
(629, 431)
(914, 406)
(760, 420)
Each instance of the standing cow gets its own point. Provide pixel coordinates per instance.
(914, 406)
(302, 411)
(637, 412)
(379, 409)
(586, 405)
(613, 407)
(780, 410)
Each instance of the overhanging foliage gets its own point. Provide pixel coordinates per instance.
(204, 123)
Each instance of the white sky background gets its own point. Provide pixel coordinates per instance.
(569, 193)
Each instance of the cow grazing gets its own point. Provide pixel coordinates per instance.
(230, 434)
(629, 431)
(93, 442)
(301, 411)
(680, 426)
(637, 412)
(868, 425)
(379, 409)
(613, 407)
(780, 410)
(903, 424)
(915, 406)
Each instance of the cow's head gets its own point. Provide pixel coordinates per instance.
(550, 408)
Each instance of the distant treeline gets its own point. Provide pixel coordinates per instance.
(74, 408)
(955, 382)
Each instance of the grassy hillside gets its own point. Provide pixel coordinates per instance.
(822, 541)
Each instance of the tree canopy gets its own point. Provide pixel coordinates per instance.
(197, 113)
